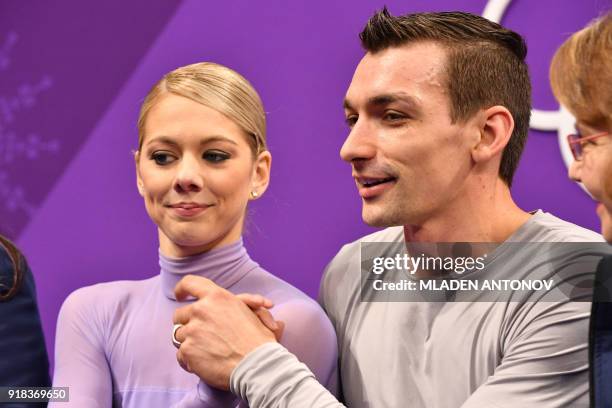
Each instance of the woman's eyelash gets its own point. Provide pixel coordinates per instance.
(215, 156)
(162, 158)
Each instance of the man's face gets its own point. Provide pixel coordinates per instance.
(409, 161)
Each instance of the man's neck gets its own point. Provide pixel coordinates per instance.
(490, 216)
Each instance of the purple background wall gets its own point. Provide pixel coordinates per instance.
(72, 76)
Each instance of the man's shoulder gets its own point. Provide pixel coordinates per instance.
(341, 278)
(349, 256)
(391, 234)
(545, 227)
(350, 252)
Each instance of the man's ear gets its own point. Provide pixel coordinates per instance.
(495, 125)
(261, 174)
(139, 183)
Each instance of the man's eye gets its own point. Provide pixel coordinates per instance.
(215, 156)
(393, 116)
(351, 120)
(162, 158)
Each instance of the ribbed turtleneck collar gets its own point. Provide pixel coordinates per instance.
(224, 266)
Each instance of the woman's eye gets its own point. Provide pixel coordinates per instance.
(162, 158)
(215, 156)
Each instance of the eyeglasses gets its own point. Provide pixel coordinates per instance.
(576, 143)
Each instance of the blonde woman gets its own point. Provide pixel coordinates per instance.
(201, 158)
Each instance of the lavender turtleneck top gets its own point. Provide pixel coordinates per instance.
(113, 345)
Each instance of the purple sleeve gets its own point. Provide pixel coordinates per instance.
(80, 361)
(310, 336)
(205, 396)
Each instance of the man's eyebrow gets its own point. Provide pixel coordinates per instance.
(385, 99)
(347, 105)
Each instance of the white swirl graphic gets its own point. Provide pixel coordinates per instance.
(561, 120)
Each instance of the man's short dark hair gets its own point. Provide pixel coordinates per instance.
(485, 66)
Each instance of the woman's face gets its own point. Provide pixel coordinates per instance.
(592, 171)
(196, 173)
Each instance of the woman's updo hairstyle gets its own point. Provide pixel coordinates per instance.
(219, 88)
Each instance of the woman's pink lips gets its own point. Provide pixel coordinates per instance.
(188, 210)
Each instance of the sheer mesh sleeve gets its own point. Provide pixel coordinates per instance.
(310, 336)
(80, 361)
(205, 396)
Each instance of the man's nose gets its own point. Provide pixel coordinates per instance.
(360, 144)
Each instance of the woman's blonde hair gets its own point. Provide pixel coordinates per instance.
(219, 88)
(581, 73)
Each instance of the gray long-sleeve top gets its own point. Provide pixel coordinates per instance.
(440, 354)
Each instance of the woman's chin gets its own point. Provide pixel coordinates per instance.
(188, 245)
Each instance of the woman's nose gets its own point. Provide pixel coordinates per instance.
(188, 177)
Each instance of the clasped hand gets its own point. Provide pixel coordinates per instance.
(220, 329)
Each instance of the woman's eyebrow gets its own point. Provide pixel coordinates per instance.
(207, 139)
(217, 138)
(162, 139)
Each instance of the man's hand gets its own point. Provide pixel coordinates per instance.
(260, 305)
(219, 329)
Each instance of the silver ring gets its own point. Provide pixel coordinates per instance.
(175, 342)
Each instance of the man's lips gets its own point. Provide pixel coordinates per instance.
(372, 186)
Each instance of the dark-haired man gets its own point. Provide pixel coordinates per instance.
(438, 111)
